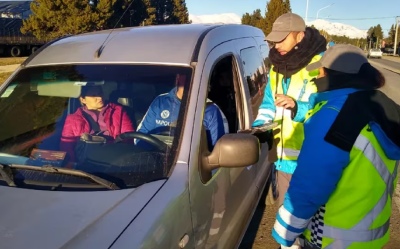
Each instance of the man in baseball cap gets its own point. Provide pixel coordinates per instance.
(284, 25)
(285, 101)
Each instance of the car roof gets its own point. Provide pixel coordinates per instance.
(161, 44)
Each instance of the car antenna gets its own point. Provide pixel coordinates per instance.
(98, 52)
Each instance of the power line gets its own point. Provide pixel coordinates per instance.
(364, 18)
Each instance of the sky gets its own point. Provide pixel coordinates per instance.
(361, 14)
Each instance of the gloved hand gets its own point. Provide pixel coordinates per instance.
(257, 123)
(266, 137)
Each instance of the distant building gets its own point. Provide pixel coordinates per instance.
(12, 41)
(15, 9)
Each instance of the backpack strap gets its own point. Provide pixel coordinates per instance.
(360, 109)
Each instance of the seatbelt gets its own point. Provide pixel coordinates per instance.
(92, 123)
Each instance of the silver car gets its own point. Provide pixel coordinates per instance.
(165, 189)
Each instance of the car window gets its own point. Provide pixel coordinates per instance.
(222, 92)
(45, 122)
(255, 73)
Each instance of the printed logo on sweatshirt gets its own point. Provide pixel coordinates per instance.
(165, 114)
(162, 122)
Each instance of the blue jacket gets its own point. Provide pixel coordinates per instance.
(321, 163)
(164, 111)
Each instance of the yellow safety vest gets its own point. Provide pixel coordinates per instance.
(357, 213)
(291, 138)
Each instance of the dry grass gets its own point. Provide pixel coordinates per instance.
(4, 61)
(11, 60)
(4, 76)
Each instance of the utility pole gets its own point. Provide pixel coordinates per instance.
(395, 36)
(131, 12)
(306, 12)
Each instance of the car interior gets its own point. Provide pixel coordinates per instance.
(37, 93)
(222, 91)
(135, 100)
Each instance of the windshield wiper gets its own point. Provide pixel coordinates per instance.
(7, 174)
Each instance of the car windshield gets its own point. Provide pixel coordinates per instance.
(93, 119)
(375, 50)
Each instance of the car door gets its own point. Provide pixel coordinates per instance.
(223, 205)
(254, 78)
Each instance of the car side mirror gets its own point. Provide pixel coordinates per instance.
(233, 151)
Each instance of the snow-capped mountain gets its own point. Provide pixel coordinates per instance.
(216, 18)
(340, 29)
(333, 28)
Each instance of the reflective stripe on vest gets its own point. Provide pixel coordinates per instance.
(262, 115)
(287, 153)
(347, 237)
(282, 112)
(360, 232)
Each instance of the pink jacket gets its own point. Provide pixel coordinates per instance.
(115, 117)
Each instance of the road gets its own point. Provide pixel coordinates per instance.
(258, 235)
(388, 62)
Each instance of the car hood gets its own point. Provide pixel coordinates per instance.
(51, 219)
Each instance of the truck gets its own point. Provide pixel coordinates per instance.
(12, 41)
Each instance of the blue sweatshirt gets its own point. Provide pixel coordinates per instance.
(164, 111)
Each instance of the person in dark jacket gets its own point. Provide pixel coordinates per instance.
(340, 195)
(164, 110)
(94, 117)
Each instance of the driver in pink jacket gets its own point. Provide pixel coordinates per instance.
(94, 117)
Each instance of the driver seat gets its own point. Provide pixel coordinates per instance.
(123, 98)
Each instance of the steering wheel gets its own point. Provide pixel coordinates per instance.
(143, 137)
(165, 131)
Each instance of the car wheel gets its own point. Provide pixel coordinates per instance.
(270, 200)
(33, 49)
(15, 51)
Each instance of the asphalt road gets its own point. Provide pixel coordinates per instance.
(258, 235)
(388, 62)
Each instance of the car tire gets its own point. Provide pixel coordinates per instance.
(15, 51)
(34, 49)
(270, 200)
